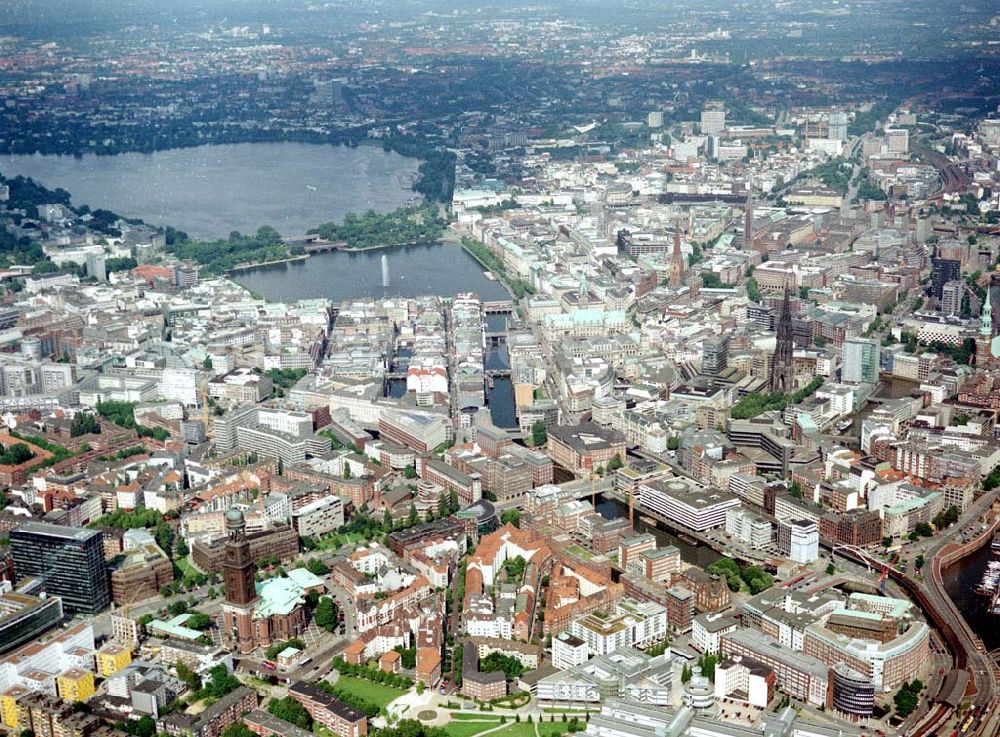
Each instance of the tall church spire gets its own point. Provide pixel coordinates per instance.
(677, 260)
(984, 343)
(781, 364)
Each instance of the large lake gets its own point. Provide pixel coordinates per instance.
(209, 191)
(443, 269)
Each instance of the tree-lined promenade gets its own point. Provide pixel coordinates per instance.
(421, 225)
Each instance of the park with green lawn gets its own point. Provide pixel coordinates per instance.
(470, 728)
(185, 565)
(373, 693)
(470, 725)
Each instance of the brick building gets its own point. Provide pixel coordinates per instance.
(213, 721)
(332, 713)
(140, 574)
(585, 447)
(680, 608)
(859, 527)
(281, 541)
(475, 683)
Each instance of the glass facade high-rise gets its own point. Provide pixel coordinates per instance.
(68, 560)
(714, 355)
(837, 126)
(23, 618)
(944, 270)
(861, 361)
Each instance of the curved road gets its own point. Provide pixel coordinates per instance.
(980, 665)
(942, 612)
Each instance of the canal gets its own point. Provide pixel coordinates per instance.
(496, 322)
(890, 387)
(960, 582)
(697, 555)
(501, 396)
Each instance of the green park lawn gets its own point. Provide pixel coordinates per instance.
(467, 728)
(185, 566)
(374, 693)
(550, 729)
(545, 729)
(338, 540)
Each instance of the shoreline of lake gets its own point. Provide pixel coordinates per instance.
(204, 191)
(442, 268)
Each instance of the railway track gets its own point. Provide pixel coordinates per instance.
(930, 724)
(954, 178)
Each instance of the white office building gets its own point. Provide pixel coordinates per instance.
(713, 121)
(634, 623)
(837, 127)
(748, 528)
(897, 140)
(179, 385)
(688, 503)
(568, 651)
(799, 540)
(746, 677)
(708, 628)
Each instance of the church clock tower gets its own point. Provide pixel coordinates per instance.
(237, 565)
(241, 593)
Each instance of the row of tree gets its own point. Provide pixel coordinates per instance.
(753, 576)
(123, 414)
(404, 225)
(753, 403)
(375, 675)
(496, 661)
(908, 697)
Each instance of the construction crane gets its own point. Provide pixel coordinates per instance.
(885, 573)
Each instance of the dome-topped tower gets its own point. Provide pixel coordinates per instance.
(237, 565)
(235, 521)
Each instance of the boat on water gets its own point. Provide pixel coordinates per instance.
(990, 581)
(489, 275)
(844, 425)
(995, 544)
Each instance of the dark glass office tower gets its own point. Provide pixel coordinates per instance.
(68, 560)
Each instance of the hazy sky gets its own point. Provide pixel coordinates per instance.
(65, 18)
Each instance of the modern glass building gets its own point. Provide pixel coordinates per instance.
(23, 618)
(851, 693)
(69, 561)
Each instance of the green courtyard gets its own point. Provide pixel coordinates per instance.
(466, 727)
(370, 691)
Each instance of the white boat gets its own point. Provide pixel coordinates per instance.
(489, 275)
(990, 581)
